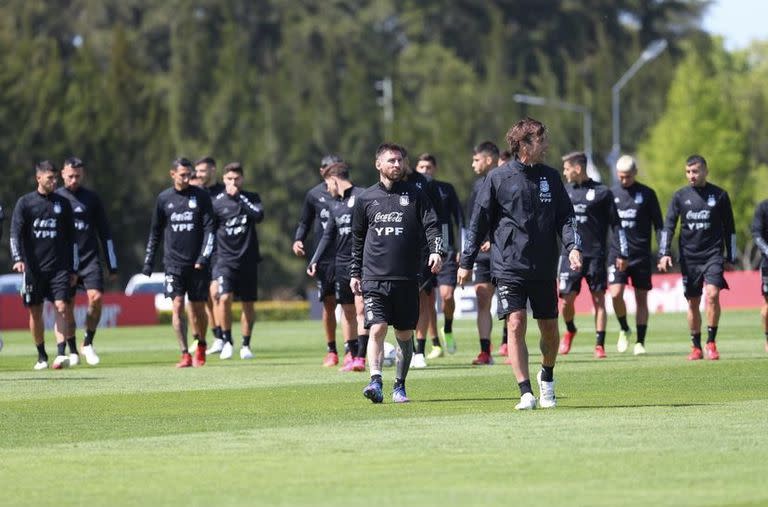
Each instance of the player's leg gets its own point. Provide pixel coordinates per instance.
(210, 309)
(362, 336)
(641, 318)
(446, 281)
(62, 311)
(712, 307)
(426, 300)
(377, 312)
(247, 318)
(404, 301)
(37, 329)
(179, 325)
(601, 320)
(325, 279)
(349, 331)
(569, 287)
(224, 317)
(484, 295)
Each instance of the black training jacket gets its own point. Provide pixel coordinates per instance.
(314, 212)
(338, 234)
(237, 243)
(639, 214)
(595, 212)
(759, 228)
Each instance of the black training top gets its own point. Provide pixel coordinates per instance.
(452, 214)
(595, 213)
(43, 233)
(477, 186)
(339, 230)
(215, 189)
(760, 228)
(237, 244)
(388, 229)
(186, 219)
(639, 214)
(91, 227)
(314, 215)
(706, 224)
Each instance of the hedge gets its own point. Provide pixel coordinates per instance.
(265, 311)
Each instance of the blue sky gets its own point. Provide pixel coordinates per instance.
(739, 21)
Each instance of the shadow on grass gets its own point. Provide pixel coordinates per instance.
(48, 379)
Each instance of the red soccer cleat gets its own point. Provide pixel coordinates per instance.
(186, 361)
(503, 350)
(347, 362)
(712, 353)
(565, 343)
(331, 359)
(483, 358)
(696, 354)
(599, 352)
(358, 364)
(199, 359)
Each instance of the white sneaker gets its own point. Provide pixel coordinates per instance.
(547, 397)
(226, 351)
(41, 365)
(74, 359)
(90, 355)
(437, 351)
(639, 349)
(245, 352)
(527, 402)
(216, 347)
(418, 361)
(60, 362)
(623, 344)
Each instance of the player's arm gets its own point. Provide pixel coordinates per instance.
(305, 224)
(155, 230)
(566, 225)
(479, 224)
(667, 233)
(729, 228)
(654, 208)
(359, 231)
(18, 224)
(758, 226)
(328, 238)
(615, 222)
(209, 231)
(432, 231)
(105, 236)
(251, 206)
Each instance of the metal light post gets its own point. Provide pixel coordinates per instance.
(567, 106)
(653, 50)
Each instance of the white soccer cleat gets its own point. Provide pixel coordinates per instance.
(547, 398)
(418, 361)
(623, 344)
(245, 352)
(90, 355)
(527, 402)
(41, 365)
(216, 347)
(226, 351)
(639, 349)
(437, 351)
(60, 362)
(74, 359)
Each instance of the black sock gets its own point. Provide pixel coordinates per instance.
(448, 326)
(332, 347)
(623, 323)
(600, 338)
(485, 345)
(525, 387)
(421, 344)
(362, 345)
(216, 332)
(504, 335)
(696, 339)
(72, 342)
(351, 346)
(61, 349)
(711, 334)
(641, 330)
(435, 341)
(376, 378)
(570, 326)
(398, 383)
(246, 340)
(226, 335)
(547, 373)
(42, 355)
(201, 343)
(185, 350)
(89, 336)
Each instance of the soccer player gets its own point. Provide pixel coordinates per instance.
(337, 235)
(235, 272)
(389, 223)
(595, 213)
(639, 213)
(485, 159)
(91, 228)
(183, 215)
(44, 249)
(706, 229)
(760, 237)
(504, 157)
(314, 216)
(525, 207)
(451, 216)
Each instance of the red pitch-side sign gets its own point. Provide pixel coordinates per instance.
(117, 310)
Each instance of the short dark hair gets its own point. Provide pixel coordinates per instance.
(390, 147)
(427, 157)
(74, 162)
(505, 155)
(46, 166)
(576, 157)
(236, 167)
(330, 159)
(696, 159)
(340, 169)
(488, 148)
(206, 160)
(524, 131)
(181, 161)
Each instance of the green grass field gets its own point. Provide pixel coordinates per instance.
(281, 430)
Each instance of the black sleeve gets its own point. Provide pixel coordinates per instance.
(18, 223)
(209, 230)
(758, 226)
(566, 219)
(615, 222)
(155, 229)
(670, 223)
(329, 236)
(251, 205)
(306, 220)
(479, 223)
(70, 236)
(431, 226)
(105, 236)
(359, 231)
(729, 228)
(656, 219)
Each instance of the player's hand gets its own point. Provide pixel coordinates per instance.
(298, 248)
(312, 269)
(463, 276)
(485, 247)
(19, 267)
(231, 189)
(574, 257)
(356, 285)
(199, 266)
(621, 264)
(664, 263)
(435, 263)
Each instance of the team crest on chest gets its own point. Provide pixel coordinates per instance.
(639, 198)
(57, 208)
(192, 202)
(404, 200)
(591, 194)
(711, 201)
(351, 202)
(543, 185)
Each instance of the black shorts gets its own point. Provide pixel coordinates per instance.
(447, 274)
(592, 269)
(187, 281)
(324, 278)
(91, 277)
(51, 285)
(764, 275)
(482, 269)
(696, 274)
(395, 302)
(512, 295)
(344, 294)
(639, 272)
(243, 283)
(427, 280)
